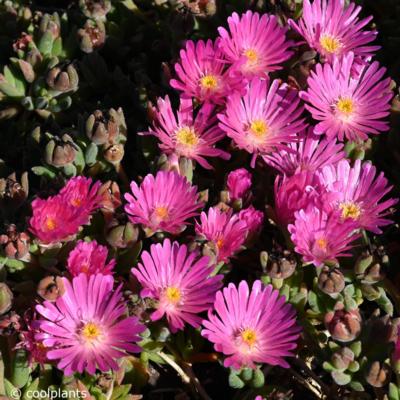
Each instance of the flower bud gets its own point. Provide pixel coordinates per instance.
(50, 23)
(122, 235)
(10, 323)
(281, 265)
(15, 244)
(370, 267)
(50, 288)
(238, 184)
(110, 196)
(6, 298)
(331, 280)
(344, 326)
(22, 43)
(114, 153)
(254, 220)
(60, 152)
(27, 70)
(92, 36)
(96, 9)
(342, 358)
(378, 374)
(13, 193)
(63, 78)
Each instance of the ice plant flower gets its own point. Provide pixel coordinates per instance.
(225, 231)
(179, 280)
(185, 134)
(238, 184)
(86, 328)
(320, 237)
(357, 192)
(263, 120)
(334, 29)
(307, 153)
(252, 326)
(202, 73)
(348, 105)
(89, 258)
(254, 44)
(253, 219)
(162, 203)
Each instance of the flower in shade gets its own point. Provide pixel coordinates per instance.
(307, 153)
(202, 73)
(263, 120)
(334, 30)
(187, 135)
(225, 231)
(163, 203)
(89, 258)
(396, 351)
(348, 105)
(238, 184)
(252, 326)
(179, 280)
(320, 236)
(356, 192)
(253, 219)
(255, 44)
(86, 328)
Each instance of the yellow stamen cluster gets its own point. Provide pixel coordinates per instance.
(330, 44)
(173, 294)
(187, 137)
(249, 337)
(209, 82)
(258, 128)
(350, 210)
(91, 331)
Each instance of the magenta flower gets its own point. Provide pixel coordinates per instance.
(255, 45)
(187, 135)
(307, 153)
(89, 258)
(346, 105)
(225, 231)
(238, 184)
(320, 237)
(162, 203)
(86, 328)
(202, 73)
(179, 280)
(264, 119)
(357, 193)
(249, 327)
(334, 30)
(253, 219)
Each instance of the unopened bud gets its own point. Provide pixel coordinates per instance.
(378, 374)
(110, 196)
(122, 235)
(344, 326)
(96, 9)
(50, 23)
(13, 193)
(370, 267)
(92, 36)
(342, 358)
(331, 280)
(60, 152)
(281, 265)
(51, 288)
(114, 153)
(63, 78)
(6, 298)
(15, 244)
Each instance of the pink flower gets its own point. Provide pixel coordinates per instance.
(255, 44)
(396, 352)
(334, 30)
(187, 135)
(89, 258)
(249, 327)
(264, 119)
(320, 237)
(202, 73)
(163, 203)
(239, 184)
(348, 106)
(357, 193)
(179, 280)
(307, 153)
(85, 329)
(224, 230)
(253, 219)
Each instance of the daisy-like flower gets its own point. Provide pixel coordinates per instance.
(320, 236)
(86, 328)
(179, 280)
(307, 153)
(162, 203)
(255, 45)
(202, 73)
(334, 30)
(238, 184)
(347, 105)
(225, 231)
(89, 258)
(357, 193)
(263, 120)
(186, 135)
(252, 326)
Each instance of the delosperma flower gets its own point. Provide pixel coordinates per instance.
(86, 328)
(187, 134)
(255, 44)
(225, 231)
(320, 236)
(357, 192)
(334, 29)
(89, 258)
(253, 219)
(265, 119)
(179, 280)
(162, 203)
(252, 326)
(202, 73)
(348, 105)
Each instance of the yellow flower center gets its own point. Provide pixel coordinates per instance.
(322, 243)
(251, 55)
(330, 44)
(173, 294)
(345, 105)
(91, 331)
(76, 202)
(209, 82)
(161, 212)
(187, 136)
(350, 210)
(50, 223)
(259, 128)
(249, 337)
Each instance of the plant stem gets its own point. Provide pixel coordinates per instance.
(175, 366)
